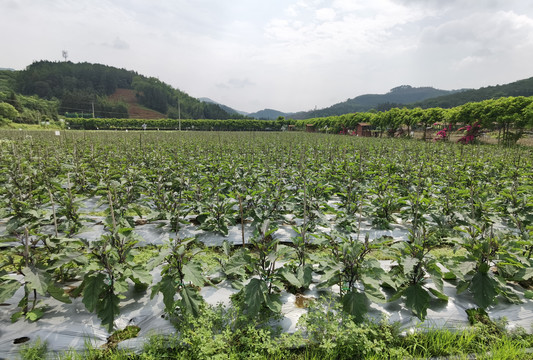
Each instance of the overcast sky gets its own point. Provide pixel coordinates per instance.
(282, 54)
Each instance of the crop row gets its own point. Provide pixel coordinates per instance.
(478, 199)
(511, 117)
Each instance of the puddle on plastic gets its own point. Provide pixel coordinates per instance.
(302, 301)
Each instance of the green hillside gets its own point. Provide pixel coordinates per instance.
(84, 88)
(517, 88)
(396, 97)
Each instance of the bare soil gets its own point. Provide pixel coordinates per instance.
(135, 110)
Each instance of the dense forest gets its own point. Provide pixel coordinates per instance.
(396, 97)
(84, 88)
(518, 88)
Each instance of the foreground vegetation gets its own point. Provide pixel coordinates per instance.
(476, 200)
(326, 332)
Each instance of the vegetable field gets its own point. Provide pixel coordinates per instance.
(96, 221)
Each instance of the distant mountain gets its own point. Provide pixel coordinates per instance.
(6, 69)
(84, 88)
(518, 88)
(398, 96)
(268, 114)
(223, 107)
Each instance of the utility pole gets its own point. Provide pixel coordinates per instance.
(92, 103)
(179, 114)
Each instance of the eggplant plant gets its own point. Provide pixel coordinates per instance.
(489, 256)
(110, 264)
(67, 217)
(358, 276)
(262, 291)
(181, 275)
(217, 215)
(30, 261)
(298, 272)
(169, 193)
(384, 203)
(233, 264)
(415, 265)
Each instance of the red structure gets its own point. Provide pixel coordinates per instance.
(363, 129)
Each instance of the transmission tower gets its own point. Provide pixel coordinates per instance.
(65, 54)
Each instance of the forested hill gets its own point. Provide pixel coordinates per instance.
(517, 88)
(80, 87)
(396, 97)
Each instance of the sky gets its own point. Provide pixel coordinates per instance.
(288, 55)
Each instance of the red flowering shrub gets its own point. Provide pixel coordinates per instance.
(471, 132)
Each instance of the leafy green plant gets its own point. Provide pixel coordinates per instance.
(233, 264)
(384, 203)
(358, 276)
(414, 262)
(181, 275)
(169, 193)
(217, 216)
(262, 291)
(480, 270)
(333, 333)
(110, 263)
(30, 263)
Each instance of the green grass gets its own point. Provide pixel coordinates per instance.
(15, 126)
(324, 333)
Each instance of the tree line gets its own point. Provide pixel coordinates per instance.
(510, 117)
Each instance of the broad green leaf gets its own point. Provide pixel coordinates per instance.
(436, 276)
(528, 294)
(438, 294)
(8, 288)
(417, 299)
(273, 302)
(484, 289)
(462, 286)
(409, 264)
(236, 265)
(254, 295)
(484, 268)
(141, 275)
(374, 294)
(120, 286)
(307, 275)
(35, 314)
(291, 278)
(331, 272)
(463, 268)
(58, 294)
(190, 300)
(192, 272)
(167, 288)
(108, 309)
(16, 316)
(36, 279)
(355, 304)
(94, 285)
(523, 274)
(226, 247)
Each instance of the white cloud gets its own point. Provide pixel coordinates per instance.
(284, 54)
(236, 84)
(325, 14)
